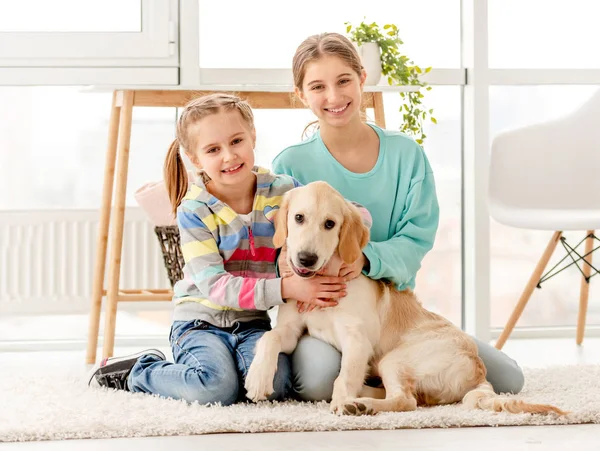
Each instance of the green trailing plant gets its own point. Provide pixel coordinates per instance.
(399, 69)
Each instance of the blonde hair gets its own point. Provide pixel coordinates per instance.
(174, 171)
(316, 47)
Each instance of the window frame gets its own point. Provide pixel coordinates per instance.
(148, 57)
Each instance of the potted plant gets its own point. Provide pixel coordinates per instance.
(399, 70)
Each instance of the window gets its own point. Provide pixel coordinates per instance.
(53, 145)
(543, 34)
(69, 16)
(53, 139)
(263, 41)
(69, 42)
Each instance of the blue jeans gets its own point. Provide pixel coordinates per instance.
(316, 365)
(211, 364)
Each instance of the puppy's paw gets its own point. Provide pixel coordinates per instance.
(337, 406)
(357, 408)
(259, 382)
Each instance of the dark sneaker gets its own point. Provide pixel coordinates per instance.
(114, 371)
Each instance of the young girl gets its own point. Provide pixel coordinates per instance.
(386, 172)
(226, 226)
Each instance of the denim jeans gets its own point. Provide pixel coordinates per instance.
(210, 364)
(316, 365)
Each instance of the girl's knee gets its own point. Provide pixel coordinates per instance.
(512, 381)
(222, 388)
(315, 365)
(503, 373)
(308, 388)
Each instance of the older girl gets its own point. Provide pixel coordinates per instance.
(385, 171)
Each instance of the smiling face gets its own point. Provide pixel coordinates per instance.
(224, 147)
(332, 90)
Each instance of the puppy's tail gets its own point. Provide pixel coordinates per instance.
(483, 397)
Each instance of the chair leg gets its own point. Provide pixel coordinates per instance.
(114, 269)
(533, 281)
(103, 226)
(585, 286)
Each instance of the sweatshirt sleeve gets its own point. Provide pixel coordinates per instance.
(279, 168)
(204, 265)
(399, 258)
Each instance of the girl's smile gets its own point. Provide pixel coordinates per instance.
(233, 169)
(338, 111)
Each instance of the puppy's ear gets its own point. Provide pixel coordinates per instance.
(281, 222)
(354, 235)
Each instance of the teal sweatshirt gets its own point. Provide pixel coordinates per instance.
(399, 192)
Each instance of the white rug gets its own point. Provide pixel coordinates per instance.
(53, 406)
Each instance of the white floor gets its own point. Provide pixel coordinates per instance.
(531, 353)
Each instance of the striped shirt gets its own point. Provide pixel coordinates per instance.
(229, 272)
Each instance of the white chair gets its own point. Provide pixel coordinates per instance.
(547, 177)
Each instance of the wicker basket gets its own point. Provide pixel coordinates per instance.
(170, 245)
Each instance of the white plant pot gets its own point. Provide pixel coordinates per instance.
(370, 55)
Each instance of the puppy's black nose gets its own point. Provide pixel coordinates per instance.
(307, 259)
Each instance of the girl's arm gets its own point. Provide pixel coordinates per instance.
(205, 266)
(399, 258)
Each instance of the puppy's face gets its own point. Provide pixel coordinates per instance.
(316, 221)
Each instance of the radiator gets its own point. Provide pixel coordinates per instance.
(47, 259)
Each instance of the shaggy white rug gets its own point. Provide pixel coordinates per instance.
(52, 405)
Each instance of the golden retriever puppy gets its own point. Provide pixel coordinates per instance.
(422, 358)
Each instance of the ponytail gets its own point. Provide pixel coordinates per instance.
(175, 175)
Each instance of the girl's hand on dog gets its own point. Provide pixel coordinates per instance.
(305, 307)
(349, 272)
(282, 264)
(320, 291)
